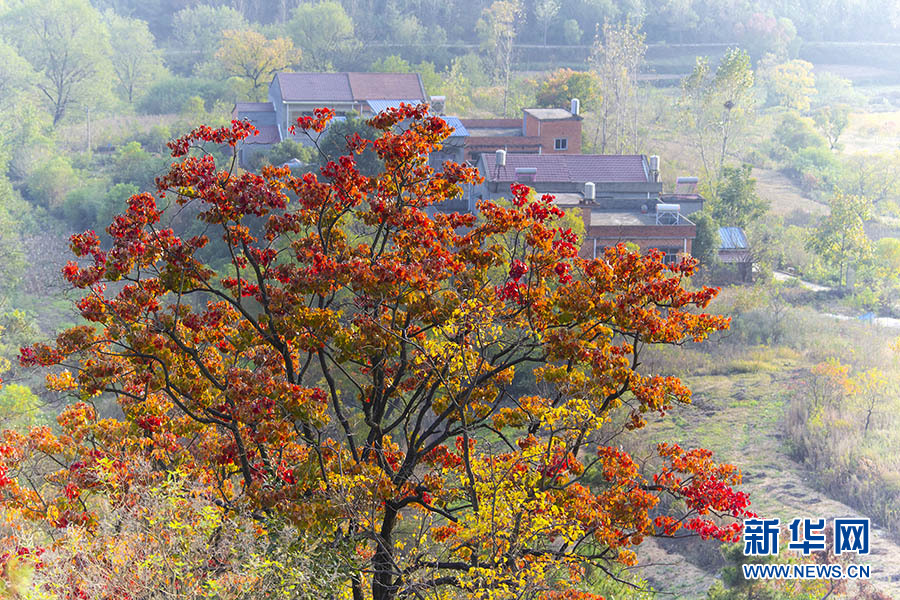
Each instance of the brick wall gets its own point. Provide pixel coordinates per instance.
(671, 237)
(570, 129)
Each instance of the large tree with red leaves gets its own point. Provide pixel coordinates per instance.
(432, 391)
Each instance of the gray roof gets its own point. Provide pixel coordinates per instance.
(244, 107)
(549, 114)
(732, 238)
(380, 105)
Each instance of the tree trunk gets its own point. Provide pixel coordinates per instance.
(383, 562)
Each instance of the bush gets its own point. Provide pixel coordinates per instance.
(171, 94)
(795, 132)
(155, 139)
(816, 167)
(136, 166)
(49, 184)
(94, 206)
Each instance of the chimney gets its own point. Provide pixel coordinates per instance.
(437, 104)
(590, 192)
(576, 106)
(501, 158)
(654, 168)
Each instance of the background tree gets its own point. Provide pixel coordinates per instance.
(197, 33)
(873, 176)
(12, 259)
(840, 238)
(66, 42)
(737, 204)
(831, 121)
(136, 61)
(16, 75)
(617, 58)
(558, 89)
(705, 247)
(497, 28)
(715, 107)
(333, 144)
(17, 114)
(249, 56)
(545, 12)
(353, 366)
(324, 34)
(791, 84)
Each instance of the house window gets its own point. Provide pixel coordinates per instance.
(671, 255)
(561, 144)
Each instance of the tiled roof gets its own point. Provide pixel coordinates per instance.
(268, 134)
(386, 86)
(350, 87)
(254, 107)
(570, 168)
(315, 87)
(732, 238)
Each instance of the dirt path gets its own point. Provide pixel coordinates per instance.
(815, 287)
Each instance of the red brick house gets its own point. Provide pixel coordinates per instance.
(618, 197)
(539, 131)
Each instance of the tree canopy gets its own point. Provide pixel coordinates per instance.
(440, 397)
(68, 45)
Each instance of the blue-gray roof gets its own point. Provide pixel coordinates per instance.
(379, 105)
(455, 123)
(732, 238)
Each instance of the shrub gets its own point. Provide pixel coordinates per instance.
(169, 95)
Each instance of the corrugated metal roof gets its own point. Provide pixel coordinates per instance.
(732, 238)
(570, 168)
(379, 105)
(459, 129)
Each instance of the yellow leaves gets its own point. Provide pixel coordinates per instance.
(17, 576)
(61, 382)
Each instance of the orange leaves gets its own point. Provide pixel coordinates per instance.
(238, 131)
(336, 353)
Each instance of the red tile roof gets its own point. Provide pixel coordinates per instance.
(350, 87)
(570, 168)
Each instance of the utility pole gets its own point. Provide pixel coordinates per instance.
(88, 110)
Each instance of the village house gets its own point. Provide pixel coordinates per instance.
(292, 95)
(539, 131)
(619, 197)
